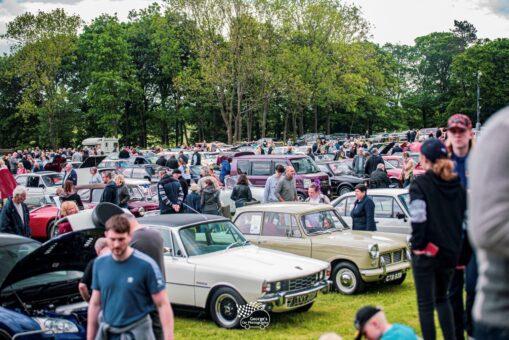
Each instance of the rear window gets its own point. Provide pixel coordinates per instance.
(304, 166)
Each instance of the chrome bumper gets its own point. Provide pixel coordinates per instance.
(378, 274)
(280, 299)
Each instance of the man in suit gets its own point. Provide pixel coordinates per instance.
(15, 217)
(70, 175)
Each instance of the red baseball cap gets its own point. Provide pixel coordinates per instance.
(460, 121)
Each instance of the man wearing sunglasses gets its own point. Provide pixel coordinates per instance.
(459, 133)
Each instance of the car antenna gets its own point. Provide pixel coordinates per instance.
(196, 211)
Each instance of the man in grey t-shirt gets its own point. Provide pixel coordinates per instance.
(286, 191)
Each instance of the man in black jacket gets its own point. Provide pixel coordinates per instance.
(379, 178)
(161, 161)
(172, 162)
(170, 194)
(373, 161)
(177, 174)
(15, 217)
(110, 193)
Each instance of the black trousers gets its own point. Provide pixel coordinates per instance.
(432, 286)
(456, 298)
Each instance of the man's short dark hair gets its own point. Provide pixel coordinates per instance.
(280, 168)
(361, 187)
(119, 224)
(107, 174)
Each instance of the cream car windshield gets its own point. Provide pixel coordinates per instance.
(322, 222)
(211, 237)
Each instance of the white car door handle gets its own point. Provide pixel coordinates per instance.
(262, 241)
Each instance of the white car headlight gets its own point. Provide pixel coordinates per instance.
(57, 326)
(278, 286)
(374, 251)
(141, 211)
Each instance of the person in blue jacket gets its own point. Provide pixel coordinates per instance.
(363, 212)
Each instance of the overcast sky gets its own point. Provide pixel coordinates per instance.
(395, 21)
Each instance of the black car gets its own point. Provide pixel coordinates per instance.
(39, 285)
(342, 177)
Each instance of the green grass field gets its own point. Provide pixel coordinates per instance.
(331, 313)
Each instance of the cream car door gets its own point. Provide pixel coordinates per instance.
(387, 211)
(281, 232)
(179, 272)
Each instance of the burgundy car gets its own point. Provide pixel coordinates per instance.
(138, 204)
(260, 167)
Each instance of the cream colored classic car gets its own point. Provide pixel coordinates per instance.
(317, 231)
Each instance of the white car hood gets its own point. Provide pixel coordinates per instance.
(269, 264)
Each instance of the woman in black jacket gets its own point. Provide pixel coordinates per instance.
(70, 194)
(363, 212)
(437, 207)
(241, 192)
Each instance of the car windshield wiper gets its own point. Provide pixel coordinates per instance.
(237, 242)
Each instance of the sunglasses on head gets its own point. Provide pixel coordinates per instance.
(457, 131)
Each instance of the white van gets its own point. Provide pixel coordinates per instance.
(107, 145)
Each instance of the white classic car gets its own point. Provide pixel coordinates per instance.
(391, 209)
(210, 265)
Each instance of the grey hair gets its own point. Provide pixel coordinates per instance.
(100, 244)
(380, 166)
(19, 190)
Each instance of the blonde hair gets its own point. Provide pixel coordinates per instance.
(66, 206)
(120, 179)
(444, 168)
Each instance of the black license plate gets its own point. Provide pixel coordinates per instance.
(301, 299)
(393, 276)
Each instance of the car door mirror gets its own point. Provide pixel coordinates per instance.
(401, 216)
(167, 250)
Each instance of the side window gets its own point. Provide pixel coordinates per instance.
(394, 163)
(177, 251)
(397, 209)
(295, 227)
(84, 194)
(33, 182)
(249, 223)
(383, 206)
(261, 169)
(350, 203)
(243, 166)
(167, 241)
(22, 180)
(276, 224)
(341, 207)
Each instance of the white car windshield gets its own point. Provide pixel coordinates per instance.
(211, 237)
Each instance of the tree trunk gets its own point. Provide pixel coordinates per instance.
(285, 129)
(249, 124)
(184, 132)
(315, 116)
(264, 116)
(301, 122)
(328, 124)
(239, 135)
(294, 123)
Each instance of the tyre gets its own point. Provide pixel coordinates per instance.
(304, 308)
(52, 230)
(301, 196)
(345, 189)
(398, 281)
(347, 279)
(224, 306)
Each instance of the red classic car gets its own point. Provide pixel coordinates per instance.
(44, 211)
(138, 204)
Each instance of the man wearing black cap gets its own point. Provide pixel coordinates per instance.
(372, 323)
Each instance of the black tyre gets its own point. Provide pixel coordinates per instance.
(224, 306)
(345, 189)
(347, 279)
(398, 281)
(52, 230)
(304, 308)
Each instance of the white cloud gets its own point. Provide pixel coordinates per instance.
(498, 7)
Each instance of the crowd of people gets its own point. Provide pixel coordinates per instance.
(459, 238)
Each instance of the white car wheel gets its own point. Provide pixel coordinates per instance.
(224, 307)
(347, 279)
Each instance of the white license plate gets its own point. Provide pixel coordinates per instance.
(301, 299)
(393, 276)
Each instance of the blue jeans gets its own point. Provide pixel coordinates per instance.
(485, 332)
(432, 285)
